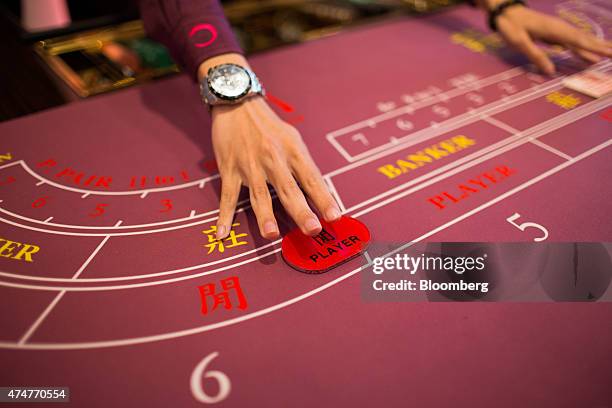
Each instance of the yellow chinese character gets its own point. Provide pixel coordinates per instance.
(565, 101)
(219, 245)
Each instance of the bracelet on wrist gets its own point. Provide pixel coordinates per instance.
(498, 10)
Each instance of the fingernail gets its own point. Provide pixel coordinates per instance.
(312, 225)
(222, 231)
(270, 228)
(332, 214)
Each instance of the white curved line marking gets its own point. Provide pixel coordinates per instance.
(7, 165)
(100, 234)
(127, 226)
(59, 296)
(150, 275)
(136, 285)
(181, 333)
(116, 193)
(598, 30)
(88, 193)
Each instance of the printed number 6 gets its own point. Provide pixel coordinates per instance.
(526, 225)
(196, 382)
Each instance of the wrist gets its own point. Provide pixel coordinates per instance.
(499, 9)
(254, 103)
(488, 5)
(227, 80)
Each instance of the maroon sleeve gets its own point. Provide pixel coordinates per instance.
(192, 30)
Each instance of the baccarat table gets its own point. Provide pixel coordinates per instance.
(112, 284)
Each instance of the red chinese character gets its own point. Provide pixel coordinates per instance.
(231, 284)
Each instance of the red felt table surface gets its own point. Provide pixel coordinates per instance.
(119, 193)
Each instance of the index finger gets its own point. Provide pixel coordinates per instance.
(522, 42)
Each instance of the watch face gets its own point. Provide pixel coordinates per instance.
(229, 81)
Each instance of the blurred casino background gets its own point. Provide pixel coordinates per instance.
(73, 49)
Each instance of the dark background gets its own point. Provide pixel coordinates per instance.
(27, 85)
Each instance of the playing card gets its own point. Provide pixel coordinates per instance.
(592, 83)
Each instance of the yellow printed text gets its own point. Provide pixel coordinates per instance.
(5, 157)
(429, 155)
(476, 41)
(11, 249)
(565, 101)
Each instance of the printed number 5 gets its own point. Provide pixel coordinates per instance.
(167, 204)
(196, 382)
(526, 225)
(100, 209)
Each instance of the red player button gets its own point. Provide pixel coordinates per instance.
(337, 243)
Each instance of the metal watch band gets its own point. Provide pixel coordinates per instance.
(499, 9)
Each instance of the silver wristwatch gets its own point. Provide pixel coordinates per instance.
(229, 84)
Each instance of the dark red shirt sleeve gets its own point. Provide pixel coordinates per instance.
(192, 30)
